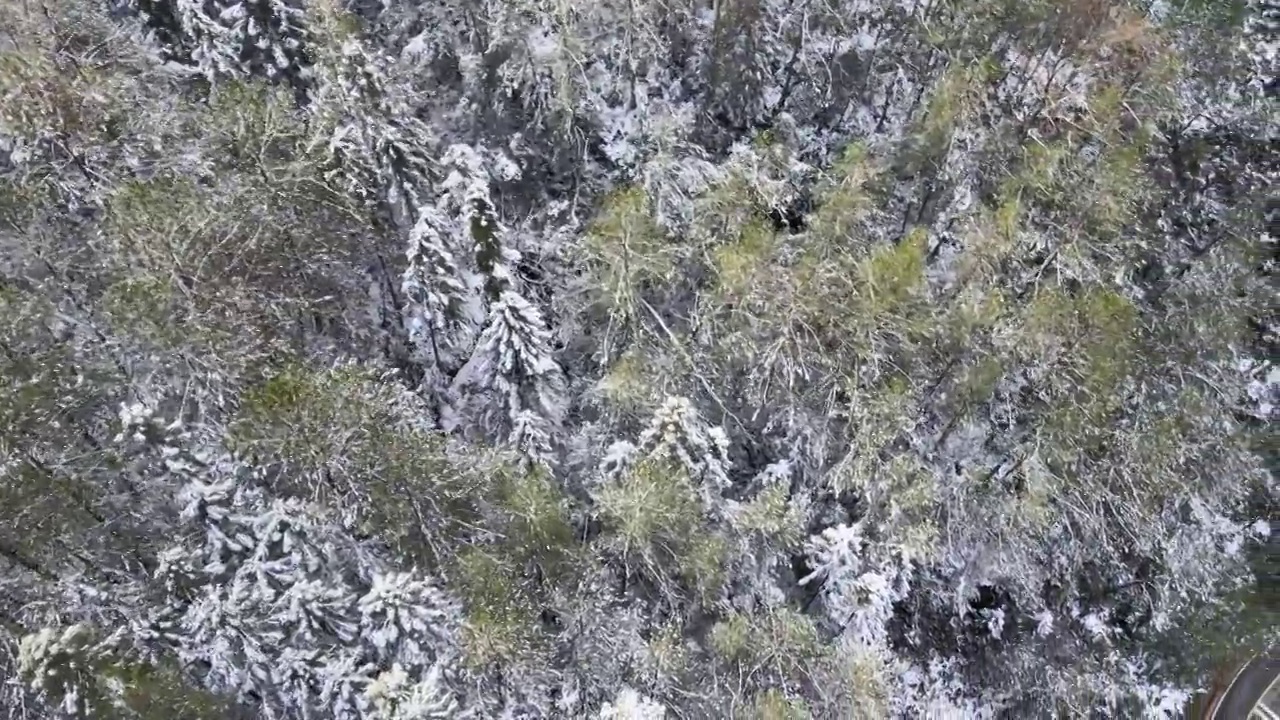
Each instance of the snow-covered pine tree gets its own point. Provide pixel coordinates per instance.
(393, 695)
(469, 174)
(227, 39)
(631, 705)
(663, 506)
(678, 431)
(859, 583)
(439, 302)
(676, 434)
(278, 607)
(367, 125)
(459, 260)
(1262, 45)
(512, 385)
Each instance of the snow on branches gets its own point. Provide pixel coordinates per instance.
(275, 603)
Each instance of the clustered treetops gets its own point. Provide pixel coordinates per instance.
(635, 359)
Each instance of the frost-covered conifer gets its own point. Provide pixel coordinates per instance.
(859, 582)
(512, 383)
(368, 126)
(278, 606)
(393, 695)
(436, 291)
(232, 38)
(631, 705)
(467, 185)
(1262, 44)
(60, 666)
(460, 263)
(678, 431)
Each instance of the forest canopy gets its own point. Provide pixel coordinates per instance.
(764, 359)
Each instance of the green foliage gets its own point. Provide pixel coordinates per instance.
(901, 495)
(21, 202)
(504, 583)
(912, 486)
(626, 251)
(1159, 446)
(1095, 330)
(408, 490)
(21, 78)
(1110, 323)
(655, 520)
(1094, 179)
(291, 416)
(651, 509)
(1106, 108)
(731, 639)
(487, 581)
(152, 220)
(667, 655)
(769, 654)
(728, 206)
(283, 392)
(776, 705)
(501, 619)
(779, 640)
(52, 489)
(861, 680)
(974, 314)
(1092, 336)
(773, 515)
(876, 416)
(334, 24)
(1049, 317)
(1043, 177)
(1008, 218)
(703, 565)
(991, 243)
(869, 307)
(141, 304)
(978, 380)
(847, 199)
(158, 692)
(255, 124)
(536, 515)
(1120, 184)
(740, 264)
(628, 383)
(854, 165)
(341, 437)
(892, 275)
(949, 103)
(38, 96)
